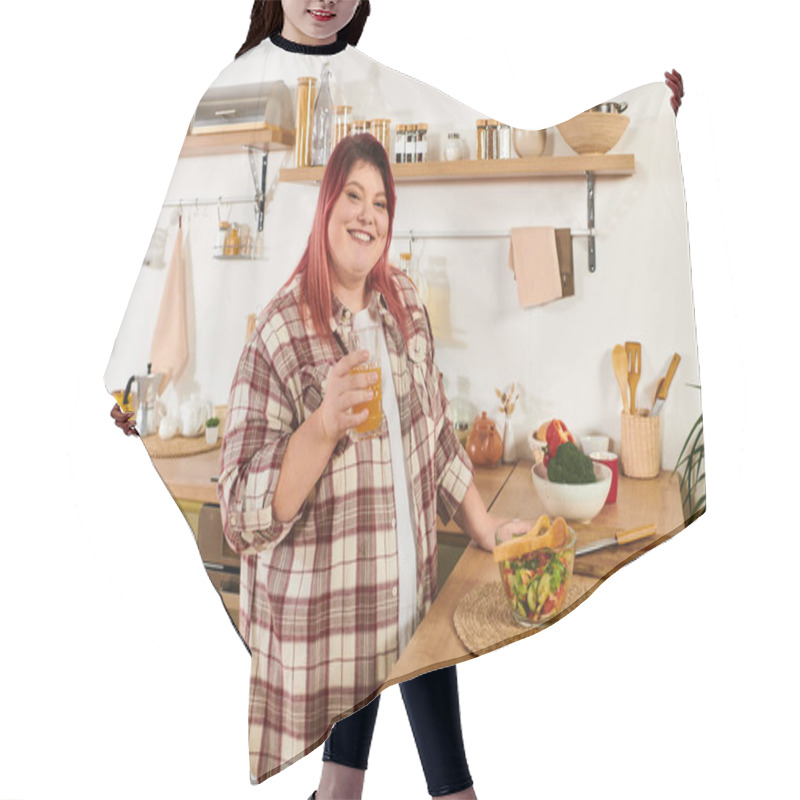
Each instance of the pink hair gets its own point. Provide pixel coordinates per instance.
(314, 266)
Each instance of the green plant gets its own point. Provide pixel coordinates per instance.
(212, 422)
(691, 466)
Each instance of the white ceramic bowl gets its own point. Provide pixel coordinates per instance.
(580, 502)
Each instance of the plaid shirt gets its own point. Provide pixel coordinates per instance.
(319, 593)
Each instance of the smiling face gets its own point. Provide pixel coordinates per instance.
(357, 230)
(315, 22)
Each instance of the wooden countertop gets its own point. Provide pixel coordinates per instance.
(638, 502)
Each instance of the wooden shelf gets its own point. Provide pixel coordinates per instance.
(211, 144)
(506, 168)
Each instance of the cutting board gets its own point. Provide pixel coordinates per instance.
(602, 562)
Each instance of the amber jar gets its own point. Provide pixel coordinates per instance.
(304, 117)
(380, 129)
(341, 124)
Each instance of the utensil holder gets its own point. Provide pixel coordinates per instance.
(640, 454)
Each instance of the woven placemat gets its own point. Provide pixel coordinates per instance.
(178, 446)
(483, 620)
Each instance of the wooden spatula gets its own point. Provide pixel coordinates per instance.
(619, 360)
(634, 351)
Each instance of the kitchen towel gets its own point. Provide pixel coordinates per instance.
(533, 258)
(169, 353)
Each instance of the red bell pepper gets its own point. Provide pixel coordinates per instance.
(557, 434)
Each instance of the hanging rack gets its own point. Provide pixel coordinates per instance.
(259, 184)
(590, 234)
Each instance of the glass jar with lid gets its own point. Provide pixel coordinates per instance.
(454, 149)
(482, 140)
(341, 122)
(304, 112)
(380, 129)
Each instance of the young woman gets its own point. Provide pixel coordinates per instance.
(338, 534)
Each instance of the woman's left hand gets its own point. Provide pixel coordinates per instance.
(675, 82)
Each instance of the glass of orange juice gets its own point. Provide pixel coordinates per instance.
(369, 338)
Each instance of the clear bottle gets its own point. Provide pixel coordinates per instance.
(322, 136)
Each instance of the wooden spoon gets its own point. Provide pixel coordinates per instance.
(552, 537)
(619, 359)
(634, 351)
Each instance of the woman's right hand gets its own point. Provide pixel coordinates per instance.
(344, 390)
(124, 420)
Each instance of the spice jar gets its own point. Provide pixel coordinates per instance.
(341, 122)
(422, 142)
(304, 111)
(411, 143)
(482, 141)
(400, 144)
(222, 233)
(503, 141)
(380, 129)
(491, 138)
(232, 241)
(454, 149)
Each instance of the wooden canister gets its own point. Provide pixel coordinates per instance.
(640, 451)
(304, 119)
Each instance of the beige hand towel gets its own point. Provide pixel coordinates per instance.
(534, 260)
(170, 349)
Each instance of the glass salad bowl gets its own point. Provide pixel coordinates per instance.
(535, 563)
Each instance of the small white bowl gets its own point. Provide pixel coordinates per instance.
(580, 502)
(537, 447)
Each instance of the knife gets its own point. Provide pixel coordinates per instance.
(623, 537)
(663, 386)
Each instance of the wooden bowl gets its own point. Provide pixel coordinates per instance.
(593, 132)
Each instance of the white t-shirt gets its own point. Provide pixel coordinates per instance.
(406, 528)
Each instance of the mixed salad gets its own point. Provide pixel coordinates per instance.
(535, 579)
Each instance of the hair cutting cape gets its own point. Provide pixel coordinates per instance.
(501, 258)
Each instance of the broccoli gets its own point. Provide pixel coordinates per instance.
(569, 465)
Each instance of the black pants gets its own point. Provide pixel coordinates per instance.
(431, 702)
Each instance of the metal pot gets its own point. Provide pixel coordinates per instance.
(610, 108)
